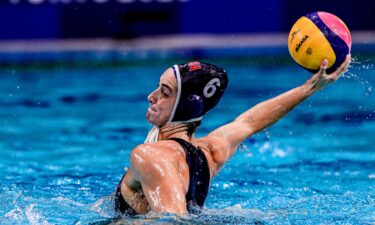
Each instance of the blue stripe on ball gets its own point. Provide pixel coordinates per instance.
(338, 45)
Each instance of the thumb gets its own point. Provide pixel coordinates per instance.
(323, 67)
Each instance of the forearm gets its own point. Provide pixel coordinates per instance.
(268, 112)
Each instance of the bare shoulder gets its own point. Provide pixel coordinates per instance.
(145, 157)
(161, 149)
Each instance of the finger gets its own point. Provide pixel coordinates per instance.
(323, 67)
(348, 59)
(321, 72)
(343, 67)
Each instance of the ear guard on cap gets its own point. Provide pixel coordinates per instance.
(192, 106)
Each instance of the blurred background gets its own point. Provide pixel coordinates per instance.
(186, 28)
(127, 19)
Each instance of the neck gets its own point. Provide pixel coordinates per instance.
(174, 130)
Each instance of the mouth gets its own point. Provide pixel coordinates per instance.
(151, 110)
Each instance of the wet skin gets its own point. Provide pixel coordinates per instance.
(158, 177)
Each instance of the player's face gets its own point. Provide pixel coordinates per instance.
(162, 99)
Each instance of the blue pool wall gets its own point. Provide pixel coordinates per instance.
(126, 19)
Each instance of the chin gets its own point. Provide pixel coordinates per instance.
(156, 121)
(150, 120)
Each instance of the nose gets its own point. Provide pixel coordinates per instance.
(152, 97)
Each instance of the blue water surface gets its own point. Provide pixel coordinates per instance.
(66, 135)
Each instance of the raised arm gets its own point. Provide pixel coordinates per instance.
(270, 111)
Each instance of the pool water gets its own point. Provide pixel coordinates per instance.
(66, 135)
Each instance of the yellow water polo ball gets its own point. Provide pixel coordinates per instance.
(318, 36)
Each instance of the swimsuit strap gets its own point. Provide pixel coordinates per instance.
(199, 182)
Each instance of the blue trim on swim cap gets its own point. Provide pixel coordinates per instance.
(174, 72)
(177, 75)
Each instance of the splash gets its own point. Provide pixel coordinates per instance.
(104, 206)
(34, 216)
(268, 134)
(243, 148)
(15, 214)
(357, 65)
(230, 215)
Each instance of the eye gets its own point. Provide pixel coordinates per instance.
(164, 93)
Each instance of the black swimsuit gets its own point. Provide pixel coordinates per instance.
(199, 182)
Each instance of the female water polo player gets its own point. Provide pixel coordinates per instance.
(172, 170)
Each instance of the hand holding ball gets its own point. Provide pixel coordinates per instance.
(319, 36)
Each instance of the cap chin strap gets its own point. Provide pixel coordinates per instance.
(153, 134)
